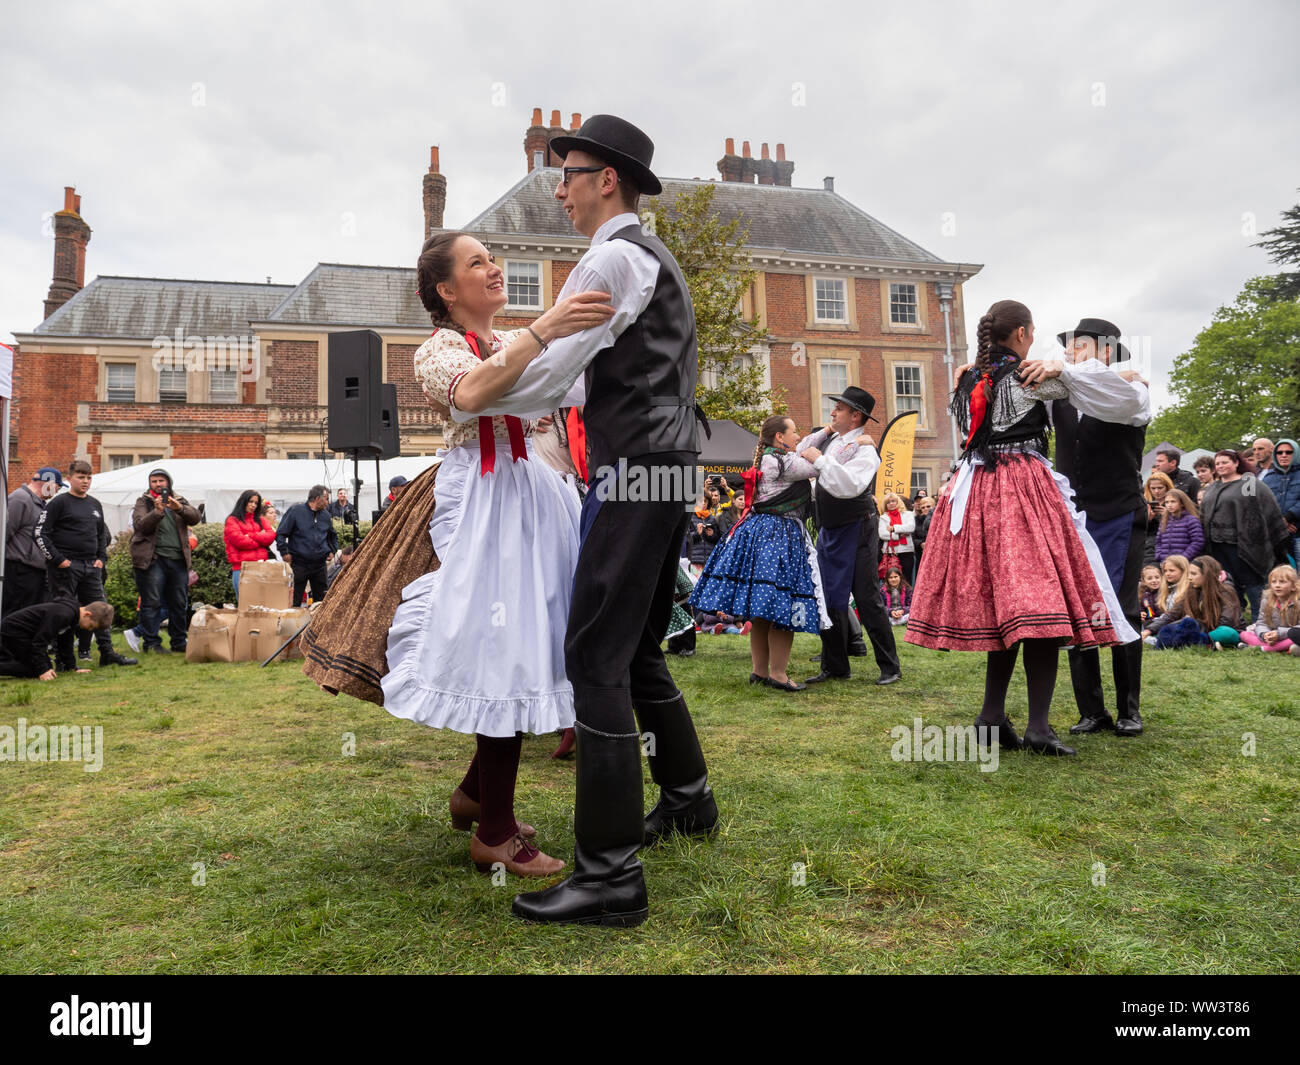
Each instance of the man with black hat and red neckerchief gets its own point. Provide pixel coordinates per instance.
(848, 540)
(1100, 434)
(639, 373)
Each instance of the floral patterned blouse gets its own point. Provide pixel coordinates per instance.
(440, 363)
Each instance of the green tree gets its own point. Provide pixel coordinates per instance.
(1238, 379)
(710, 252)
(1283, 246)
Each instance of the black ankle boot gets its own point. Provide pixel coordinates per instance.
(1004, 732)
(607, 886)
(1092, 724)
(686, 802)
(1046, 742)
(1130, 724)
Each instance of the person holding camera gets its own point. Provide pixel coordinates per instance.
(160, 561)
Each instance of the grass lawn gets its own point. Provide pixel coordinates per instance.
(832, 857)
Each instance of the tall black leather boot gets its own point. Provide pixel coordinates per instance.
(1085, 678)
(607, 886)
(1128, 688)
(686, 802)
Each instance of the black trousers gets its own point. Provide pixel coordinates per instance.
(24, 586)
(622, 598)
(1123, 559)
(871, 608)
(84, 582)
(305, 571)
(12, 667)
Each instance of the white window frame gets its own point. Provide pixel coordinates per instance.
(921, 421)
(914, 487)
(169, 374)
(824, 405)
(916, 303)
(213, 393)
(541, 279)
(818, 319)
(129, 367)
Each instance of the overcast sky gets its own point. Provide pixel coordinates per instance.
(1101, 159)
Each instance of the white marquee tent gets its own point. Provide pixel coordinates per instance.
(218, 483)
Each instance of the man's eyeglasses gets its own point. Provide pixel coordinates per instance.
(1284, 451)
(566, 171)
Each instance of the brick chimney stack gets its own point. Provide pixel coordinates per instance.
(744, 167)
(435, 195)
(71, 235)
(536, 139)
(784, 170)
(731, 166)
(556, 130)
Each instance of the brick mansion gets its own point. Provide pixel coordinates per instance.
(845, 299)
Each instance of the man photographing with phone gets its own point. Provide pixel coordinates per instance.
(160, 559)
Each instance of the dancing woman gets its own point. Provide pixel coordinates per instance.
(476, 644)
(1007, 561)
(766, 570)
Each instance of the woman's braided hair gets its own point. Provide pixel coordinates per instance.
(435, 265)
(775, 423)
(1001, 320)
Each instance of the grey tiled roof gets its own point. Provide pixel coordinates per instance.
(146, 307)
(802, 221)
(337, 294)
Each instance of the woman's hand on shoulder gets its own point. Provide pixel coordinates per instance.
(1033, 371)
(573, 314)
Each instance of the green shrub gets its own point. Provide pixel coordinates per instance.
(345, 531)
(119, 584)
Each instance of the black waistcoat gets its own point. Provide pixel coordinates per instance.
(1101, 460)
(641, 391)
(833, 512)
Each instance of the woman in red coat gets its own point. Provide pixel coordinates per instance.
(248, 534)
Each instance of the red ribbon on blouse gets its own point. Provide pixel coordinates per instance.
(487, 441)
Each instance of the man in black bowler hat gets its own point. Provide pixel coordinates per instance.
(1100, 435)
(638, 373)
(848, 541)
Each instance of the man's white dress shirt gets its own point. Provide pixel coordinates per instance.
(629, 273)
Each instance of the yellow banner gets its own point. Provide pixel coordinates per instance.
(895, 449)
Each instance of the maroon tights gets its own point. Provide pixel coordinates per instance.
(490, 781)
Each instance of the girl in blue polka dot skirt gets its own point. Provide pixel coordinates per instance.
(766, 569)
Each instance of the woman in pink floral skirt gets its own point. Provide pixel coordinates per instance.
(1007, 561)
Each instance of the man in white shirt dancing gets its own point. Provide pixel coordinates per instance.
(848, 541)
(638, 373)
(1100, 434)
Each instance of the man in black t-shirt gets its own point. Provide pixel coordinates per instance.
(26, 634)
(72, 535)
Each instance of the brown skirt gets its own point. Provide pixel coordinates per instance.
(346, 644)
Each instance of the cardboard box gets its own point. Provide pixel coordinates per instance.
(211, 636)
(290, 622)
(266, 584)
(256, 625)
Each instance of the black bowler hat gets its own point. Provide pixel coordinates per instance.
(1098, 329)
(617, 142)
(859, 399)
